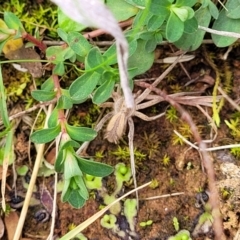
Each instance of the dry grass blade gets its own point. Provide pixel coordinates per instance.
(31, 184)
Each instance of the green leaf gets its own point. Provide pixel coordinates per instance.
(75, 199)
(224, 23)
(59, 162)
(71, 168)
(62, 34)
(82, 187)
(150, 45)
(45, 135)
(188, 3)
(68, 24)
(12, 21)
(193, 41)
(53, 119)
(181, 12)
(158, 37)
(94, 59)
(64, 102)
(48, 85)
(121, 10)
(140, 3)
(233, 8)
(191, 25)
(59, 69)
(160, 7)
(234, 14)
(104, 91)
(140, 61)
(155, 22)
(59, 53)
(94, 168)
(213, 10)
(62, 154)
(174, 28)
(78, 43)
(84, 85)
(111, 53)
(43, 95)
(82, 134)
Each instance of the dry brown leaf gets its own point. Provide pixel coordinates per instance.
(11, 221)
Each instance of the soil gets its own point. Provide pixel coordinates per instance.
(183, 173)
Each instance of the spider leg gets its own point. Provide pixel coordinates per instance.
(103, 120)
(149, 103)
(131, 150)
(146, 118)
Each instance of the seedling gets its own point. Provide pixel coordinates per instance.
(181, 235)
(130, 211)
(93, 182)
(146, 224)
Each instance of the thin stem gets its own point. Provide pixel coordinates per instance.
(32, 39)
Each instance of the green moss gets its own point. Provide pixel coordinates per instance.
(34, 16)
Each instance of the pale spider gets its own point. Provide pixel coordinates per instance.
(120, 115)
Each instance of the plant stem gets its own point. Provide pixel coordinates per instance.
(32, 39)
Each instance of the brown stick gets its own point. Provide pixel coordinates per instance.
(206, 161)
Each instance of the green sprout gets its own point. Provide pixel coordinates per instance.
(154, 184)
(123, 174)
(146, 223)
(22, 170)
(109, 221)
(130, 211)
(93, 182)
(181, 235)
(176, 224)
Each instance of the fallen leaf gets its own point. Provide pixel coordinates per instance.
(11, 221)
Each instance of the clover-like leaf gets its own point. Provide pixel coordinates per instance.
(224, 23)
(94, 168)
(78, 43)
(174, 28)
(140, 61)
(59, 69)
(45, 135)
(82, 134)
(194, 40)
